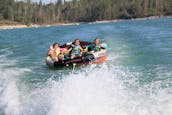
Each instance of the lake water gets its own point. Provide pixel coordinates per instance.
(135, 80)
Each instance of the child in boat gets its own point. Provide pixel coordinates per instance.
(55, 52)
(76, 49)
(85, 49)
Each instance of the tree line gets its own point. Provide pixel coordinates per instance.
(28, 12)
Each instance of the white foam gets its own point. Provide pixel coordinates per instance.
(10, 103)
(96, 90)
(9, 96)
(102, 92)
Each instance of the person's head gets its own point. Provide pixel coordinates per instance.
(97, 41)
(83, 46)
(55, 45)
(77, 42)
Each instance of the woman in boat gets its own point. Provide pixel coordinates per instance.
(55, 52)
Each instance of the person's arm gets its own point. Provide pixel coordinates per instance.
(69, 49)
(49, 52)
(81, 49)
(91, 48)
(103, 46)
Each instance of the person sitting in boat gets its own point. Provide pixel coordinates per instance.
(55, 52)
(97, 46)
(76, 49)
(85, 48)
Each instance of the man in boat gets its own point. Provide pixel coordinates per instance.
(76, 49)
(97, 46)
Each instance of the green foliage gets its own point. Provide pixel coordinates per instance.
(81, 10)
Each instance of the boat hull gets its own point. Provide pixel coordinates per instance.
(89, 58)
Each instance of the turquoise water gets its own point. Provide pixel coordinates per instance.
(135, 80)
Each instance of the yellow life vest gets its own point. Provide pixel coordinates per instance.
(57, 52)
(54, 54)
(85, 50)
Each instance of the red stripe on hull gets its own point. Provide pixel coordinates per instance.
(99, 60)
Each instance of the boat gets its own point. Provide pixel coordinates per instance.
(85, 59)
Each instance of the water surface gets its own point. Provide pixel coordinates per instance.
(135, 80)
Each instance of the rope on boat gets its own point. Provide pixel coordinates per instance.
(74, 65)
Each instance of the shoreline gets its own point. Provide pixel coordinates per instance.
(22, 26)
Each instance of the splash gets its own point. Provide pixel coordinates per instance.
(94, 90)
(10, 103)
(101, 91)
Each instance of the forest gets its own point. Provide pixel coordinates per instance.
(27, 12)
